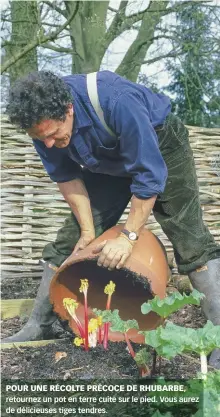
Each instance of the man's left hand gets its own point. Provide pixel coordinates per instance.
(114, 252)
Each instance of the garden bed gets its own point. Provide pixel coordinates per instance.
(39, 361)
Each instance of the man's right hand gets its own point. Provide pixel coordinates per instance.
(85, 239)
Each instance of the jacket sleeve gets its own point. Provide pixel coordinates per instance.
(139, 146)
(58, 164)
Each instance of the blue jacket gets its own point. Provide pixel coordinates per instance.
(131, 111)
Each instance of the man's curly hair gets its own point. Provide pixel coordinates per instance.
(38, 96)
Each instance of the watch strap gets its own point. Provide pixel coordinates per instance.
(132, 242)
(127, 233)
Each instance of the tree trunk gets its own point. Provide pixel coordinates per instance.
(90, 39)
(24, 16)
(86, 33)
(133, 59)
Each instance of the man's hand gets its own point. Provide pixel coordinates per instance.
(114, 252)
(84, 240)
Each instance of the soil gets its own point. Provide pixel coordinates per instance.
(39, 362)
(19, 288)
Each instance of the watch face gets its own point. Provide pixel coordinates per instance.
(132, 236)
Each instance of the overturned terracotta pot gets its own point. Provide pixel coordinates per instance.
(145, 275)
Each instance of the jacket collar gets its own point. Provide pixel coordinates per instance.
(81, 117)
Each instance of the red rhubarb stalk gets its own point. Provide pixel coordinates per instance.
(143, 370)
(86, 325)
(130, 348)
(105, 338)
(84, 289)
(80, 328)
(100, 335)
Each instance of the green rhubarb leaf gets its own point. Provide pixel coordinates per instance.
(210, 396)
(142, 357)
(204, 340)
(104, 314)
(123, 326)
(97, 312)
(117, 324)
(167, 349)
(153, 337)
(168, 305)
(171, 340)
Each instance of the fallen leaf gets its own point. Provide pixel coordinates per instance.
(60, 355)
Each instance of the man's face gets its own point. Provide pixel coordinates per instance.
(54, 132)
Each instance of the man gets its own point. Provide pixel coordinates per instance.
(132, 149)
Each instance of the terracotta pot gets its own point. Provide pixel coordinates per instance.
(144, 276)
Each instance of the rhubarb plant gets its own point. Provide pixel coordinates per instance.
(109, 289)
(168, 305)
(71, 305)
(88, 334)
(142, 358)
(78, 341)
(92, 332)
(170, 340)
(123, 326)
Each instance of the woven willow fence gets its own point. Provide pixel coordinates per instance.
(33, 209)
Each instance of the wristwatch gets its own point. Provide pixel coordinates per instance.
(131, 235)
